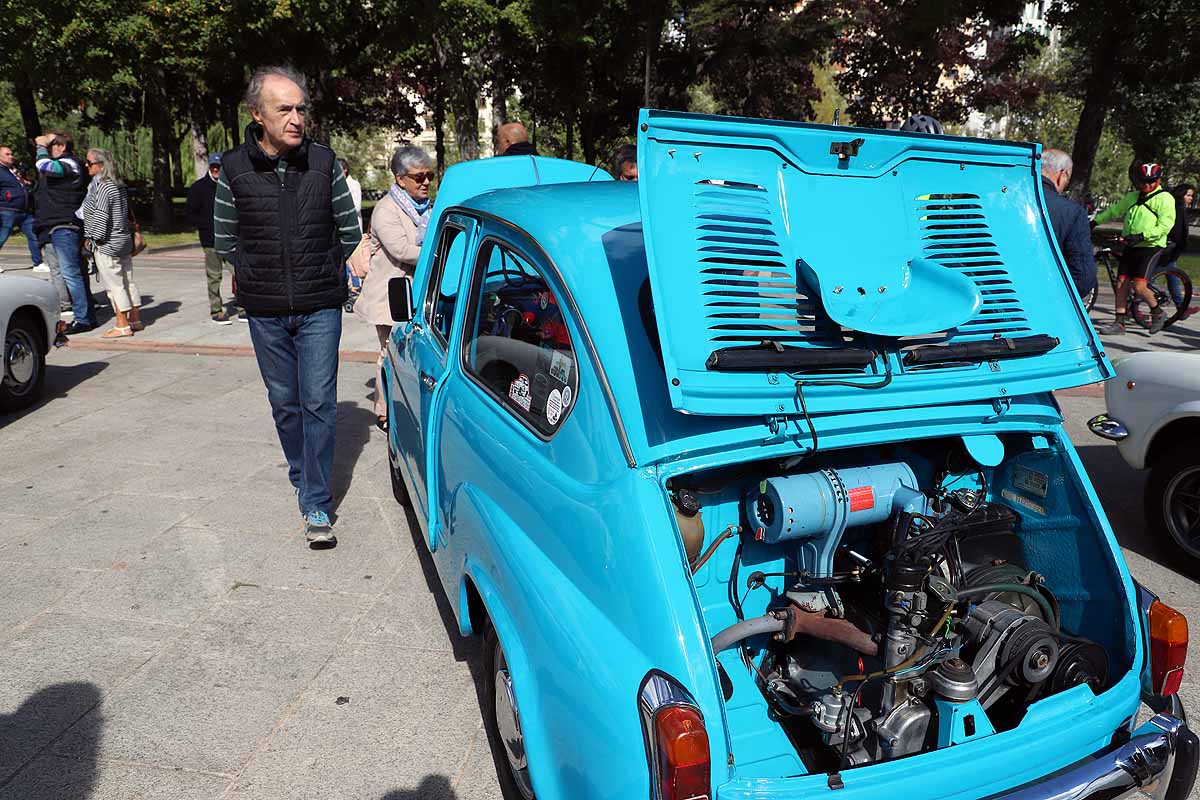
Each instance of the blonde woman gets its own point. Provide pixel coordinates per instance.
(106, 227)
(398, 226)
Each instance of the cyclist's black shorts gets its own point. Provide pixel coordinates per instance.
(1139, 262)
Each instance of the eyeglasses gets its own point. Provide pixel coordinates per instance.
(420, 177)
(87, 163)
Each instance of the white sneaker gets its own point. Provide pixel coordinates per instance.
(40, 268)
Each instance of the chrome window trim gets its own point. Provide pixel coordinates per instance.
(473, 298)
(573, 307)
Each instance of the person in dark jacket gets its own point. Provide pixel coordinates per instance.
(62, 186)
(513, 140)
(201, 197)
(284, 216)
(16, 208)
(1177, 244)
(1069, 221)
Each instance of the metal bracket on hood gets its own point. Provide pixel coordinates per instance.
(1001, 405)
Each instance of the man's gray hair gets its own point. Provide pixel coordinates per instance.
(1055, 161)
(254, 90)
(405, 158)
(109, 171)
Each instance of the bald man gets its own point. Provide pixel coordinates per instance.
(513, 140)
(1069, 221)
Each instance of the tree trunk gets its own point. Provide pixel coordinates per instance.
(199, 149)
(439, 130)
(177, 184)
(29, 114)
(1098, 98)
(587, 140)
(231, 122)
(466, 124)
(163, 138)
(570, 129)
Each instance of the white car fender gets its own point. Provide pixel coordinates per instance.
(1150, 391)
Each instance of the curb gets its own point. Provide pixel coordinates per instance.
(237, 351)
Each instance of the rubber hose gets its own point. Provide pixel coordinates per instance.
(1017, 588)
(739, 631)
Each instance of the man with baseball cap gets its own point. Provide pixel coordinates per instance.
(201, 198)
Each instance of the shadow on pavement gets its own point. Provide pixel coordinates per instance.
(60, 380)
(1121, 489)
(432, 787)
(28, 733)
(354, 426)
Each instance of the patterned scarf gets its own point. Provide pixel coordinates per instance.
(419, 214)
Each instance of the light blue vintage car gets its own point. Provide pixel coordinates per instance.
(751, 478)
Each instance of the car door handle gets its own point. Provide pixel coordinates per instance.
(427, 380)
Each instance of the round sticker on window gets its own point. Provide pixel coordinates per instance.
(566, 397)
(554, 407)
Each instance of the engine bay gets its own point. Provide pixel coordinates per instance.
(887, 602)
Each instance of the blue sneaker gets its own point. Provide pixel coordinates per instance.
(318, 529)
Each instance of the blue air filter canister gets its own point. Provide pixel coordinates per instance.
(826, 502)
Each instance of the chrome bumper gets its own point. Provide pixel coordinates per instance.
(1159, 759)
(1107, 427)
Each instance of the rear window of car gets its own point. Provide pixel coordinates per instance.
(517, 343)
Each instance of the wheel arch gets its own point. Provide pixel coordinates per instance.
(1174, 432)
(36, 318)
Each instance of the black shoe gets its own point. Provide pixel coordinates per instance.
(75, 327)
(1158, 320)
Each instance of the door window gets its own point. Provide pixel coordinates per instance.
(443, 281)
(517, 343)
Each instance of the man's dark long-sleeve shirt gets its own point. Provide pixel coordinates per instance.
(1074, 235)
(201, 197)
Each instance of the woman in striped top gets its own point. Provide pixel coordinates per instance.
(106, 226)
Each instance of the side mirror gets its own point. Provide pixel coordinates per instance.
(400, 298)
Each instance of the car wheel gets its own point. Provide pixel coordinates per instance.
(1173, 502)
(24, 367)
(399, 490)
(503, 723)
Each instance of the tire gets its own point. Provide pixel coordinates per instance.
(1173, 502)
(23, 370)
(514, 780)
(399, 490)
(1159, 283)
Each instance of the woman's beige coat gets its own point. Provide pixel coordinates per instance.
(394, 253)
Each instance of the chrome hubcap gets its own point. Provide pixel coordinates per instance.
(508, 721)
(20, 362)
(1181, 507)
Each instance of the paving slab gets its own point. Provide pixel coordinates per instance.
(53, 777)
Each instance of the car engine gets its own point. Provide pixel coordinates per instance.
(908, 624)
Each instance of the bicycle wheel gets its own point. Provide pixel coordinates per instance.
(1172, 290)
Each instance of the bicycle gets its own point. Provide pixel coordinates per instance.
(1108, 254)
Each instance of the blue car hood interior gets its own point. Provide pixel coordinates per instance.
(921, 267)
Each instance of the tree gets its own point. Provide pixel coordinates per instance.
(938, 57)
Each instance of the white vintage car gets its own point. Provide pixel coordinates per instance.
(29, 319)
(1154, 417)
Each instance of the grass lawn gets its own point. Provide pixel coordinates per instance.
(153, 240)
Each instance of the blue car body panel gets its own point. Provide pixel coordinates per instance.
(568, 541)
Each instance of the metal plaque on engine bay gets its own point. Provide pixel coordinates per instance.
(1030, 480)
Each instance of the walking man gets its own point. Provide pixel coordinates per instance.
(284, 217)
(201, 197)
(15, 210)
(1069, 221)
(1149, 215)
(59, 194)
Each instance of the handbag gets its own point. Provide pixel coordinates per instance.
(139, 241)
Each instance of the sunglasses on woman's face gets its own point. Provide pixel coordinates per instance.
(420, 177)
(87, 163)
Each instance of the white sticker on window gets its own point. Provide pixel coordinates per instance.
(566, 396)
(518, 391)
(560, 367)
(554, 407)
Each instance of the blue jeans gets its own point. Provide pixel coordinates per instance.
(298, 358)
(66, 248)
(1174, 285)
(24, 220)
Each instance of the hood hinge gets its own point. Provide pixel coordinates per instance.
(1000, 405)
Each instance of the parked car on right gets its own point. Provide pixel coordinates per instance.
(1154, 417)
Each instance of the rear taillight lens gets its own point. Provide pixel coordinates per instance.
(683, 759)
(1168, 647)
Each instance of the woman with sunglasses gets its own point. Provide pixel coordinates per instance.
(398, 225)
(106, 226)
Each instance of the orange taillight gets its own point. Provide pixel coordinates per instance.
(1168, 647)
(683, 768)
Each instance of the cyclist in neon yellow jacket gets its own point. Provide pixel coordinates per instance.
(1149, 215)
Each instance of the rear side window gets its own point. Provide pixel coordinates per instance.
(447, 267)
(517, 346)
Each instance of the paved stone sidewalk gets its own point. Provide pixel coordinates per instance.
(166, 633)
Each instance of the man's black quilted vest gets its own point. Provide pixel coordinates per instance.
(288, 260)
(56, 199)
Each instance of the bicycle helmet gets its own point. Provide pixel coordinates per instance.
(922, 123)
(1146, 174)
